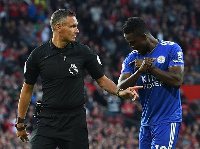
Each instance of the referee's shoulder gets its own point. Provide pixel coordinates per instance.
(41, 48)
(80, 46)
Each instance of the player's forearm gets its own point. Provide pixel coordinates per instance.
(130, 81)
(170, 78)
(24, 101)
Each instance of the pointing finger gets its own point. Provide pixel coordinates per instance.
(137, 87)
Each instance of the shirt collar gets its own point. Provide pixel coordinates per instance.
(53, 47)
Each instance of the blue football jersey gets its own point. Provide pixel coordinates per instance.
(160, 102)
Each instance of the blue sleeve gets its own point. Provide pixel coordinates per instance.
(176, 56)
(126, 67)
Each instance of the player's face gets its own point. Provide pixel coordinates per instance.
(137, 43)
(69, 30)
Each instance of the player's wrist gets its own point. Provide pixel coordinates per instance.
(151, 68)
(140, 71)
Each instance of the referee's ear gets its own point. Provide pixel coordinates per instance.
(58, 27)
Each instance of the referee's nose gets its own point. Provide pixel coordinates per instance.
(76, 30)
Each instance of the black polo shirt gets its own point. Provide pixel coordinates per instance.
(62, 72)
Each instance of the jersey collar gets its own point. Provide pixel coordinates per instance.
(53, 47)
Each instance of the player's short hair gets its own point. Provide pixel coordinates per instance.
(59, 16)
(136, 26)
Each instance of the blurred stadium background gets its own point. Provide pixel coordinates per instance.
(112, 123)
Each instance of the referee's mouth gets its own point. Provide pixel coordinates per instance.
(73, 37)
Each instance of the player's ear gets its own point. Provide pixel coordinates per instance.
(144, 36)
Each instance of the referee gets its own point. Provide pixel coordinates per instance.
(61, 63)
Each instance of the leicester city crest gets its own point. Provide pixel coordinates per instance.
(161, 59)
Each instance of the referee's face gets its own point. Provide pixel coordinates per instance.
(69, 30)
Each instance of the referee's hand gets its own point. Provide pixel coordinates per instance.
(130, 93)
(23, 135)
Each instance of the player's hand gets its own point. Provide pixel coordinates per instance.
(130, 93)
(137, 62)
(146, 64)
(23, 135)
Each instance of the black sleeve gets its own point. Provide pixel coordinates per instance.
(31, 69)
(93, 64)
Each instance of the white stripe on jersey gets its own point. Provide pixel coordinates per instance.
(172, 133)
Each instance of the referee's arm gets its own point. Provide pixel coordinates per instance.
(112, 88)
(107, 85)
(24, 101)
(25, 98)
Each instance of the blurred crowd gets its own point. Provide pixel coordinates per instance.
(112, 123)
